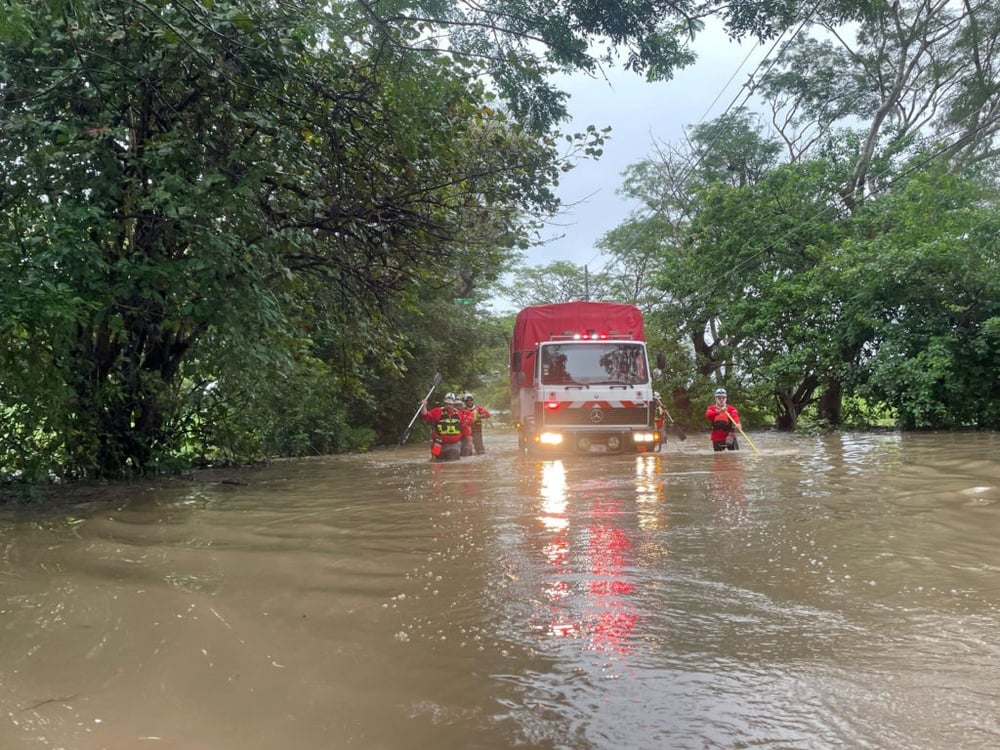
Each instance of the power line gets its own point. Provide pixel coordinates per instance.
(745, 87)
(767, 63)
(876, 175)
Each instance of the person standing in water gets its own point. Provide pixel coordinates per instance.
(725, 421)
(449, 426)
(479, 414)
(659, 412)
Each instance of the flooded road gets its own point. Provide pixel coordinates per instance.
(830, 592)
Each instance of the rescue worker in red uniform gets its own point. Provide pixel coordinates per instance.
(725, 419)
(467, 418)
(450, 423)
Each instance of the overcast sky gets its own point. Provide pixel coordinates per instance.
(640, 114)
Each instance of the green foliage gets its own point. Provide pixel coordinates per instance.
(559, 281)
(299, 412)
(802, 304)
(466, 346)
(732, 149)
(898, 309)
(932, 290)
(235, 228)
(191, 190)
(862, 271)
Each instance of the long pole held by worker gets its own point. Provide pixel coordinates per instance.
(738, 427)
(677, 428)
(435, 384)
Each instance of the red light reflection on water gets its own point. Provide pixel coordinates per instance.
(599, 608)
(609, 553)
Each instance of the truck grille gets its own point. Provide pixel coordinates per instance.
(634, 417)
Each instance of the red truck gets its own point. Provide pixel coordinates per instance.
(580, 379)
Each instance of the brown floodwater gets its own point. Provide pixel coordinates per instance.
(827, 592)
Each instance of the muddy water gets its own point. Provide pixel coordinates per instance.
(833, 592)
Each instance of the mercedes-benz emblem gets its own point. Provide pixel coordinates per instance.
(596, 415)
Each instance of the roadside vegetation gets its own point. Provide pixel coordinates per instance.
(232, 230)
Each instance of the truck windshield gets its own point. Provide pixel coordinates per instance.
(593, 363)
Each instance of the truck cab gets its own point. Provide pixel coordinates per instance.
(580, 380)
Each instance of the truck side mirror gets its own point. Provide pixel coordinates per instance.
(661, 361)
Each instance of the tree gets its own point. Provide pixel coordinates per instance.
(672, 190)
(915, 72)
(559, 281)
(211, 198)
(185, 182)
(759, 258)
(925, 278)
(756, 251)
(650, 37)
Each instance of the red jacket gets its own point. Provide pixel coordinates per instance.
(721, 424)
(450, 423)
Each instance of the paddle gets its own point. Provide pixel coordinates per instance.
(738, 427)
(677, 428)
(435, 384)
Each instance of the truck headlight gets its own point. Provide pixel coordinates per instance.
(550, 438)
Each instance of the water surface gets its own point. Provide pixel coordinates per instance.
(829, 592)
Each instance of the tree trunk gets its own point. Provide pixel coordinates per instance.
(121, 411)
(787, 413)
(831, 403)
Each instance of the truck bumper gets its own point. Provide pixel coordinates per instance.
(639, 440)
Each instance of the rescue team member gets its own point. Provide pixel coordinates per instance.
(478, 414)
(722, 416)
(659, 412)
(449, 423)
(467, 417)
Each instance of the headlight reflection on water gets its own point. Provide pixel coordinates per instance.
(588, 552)
(650, 500)
(555, 520)
(553, 492)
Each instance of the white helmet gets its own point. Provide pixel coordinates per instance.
(468, 397)
(656, 394)
(449, 398)
(720, 392)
